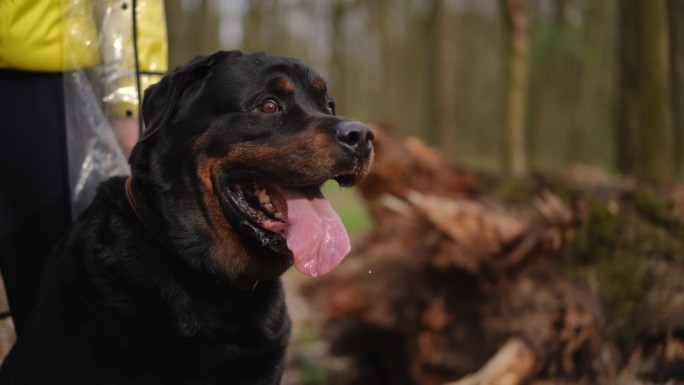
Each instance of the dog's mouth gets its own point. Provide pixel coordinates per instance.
(293, 221)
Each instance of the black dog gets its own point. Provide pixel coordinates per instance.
(172, 276)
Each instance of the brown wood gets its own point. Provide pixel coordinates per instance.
(458, 265)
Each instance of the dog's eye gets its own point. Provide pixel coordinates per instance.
(331, 107)
(269, 107)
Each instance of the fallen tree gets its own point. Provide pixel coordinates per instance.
(478, 280)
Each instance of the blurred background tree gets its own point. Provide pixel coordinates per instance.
(501, 85)
(644, 134)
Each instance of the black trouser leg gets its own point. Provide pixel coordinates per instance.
(34, 194)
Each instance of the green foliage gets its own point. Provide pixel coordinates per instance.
(311, 371)
(312, 375)
(551, 39)
(349, 205)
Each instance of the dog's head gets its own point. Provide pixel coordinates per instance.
(235, 150)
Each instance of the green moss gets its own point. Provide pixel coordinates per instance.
(657, 210)
(614, 252)
(513, 190)
(597, 240)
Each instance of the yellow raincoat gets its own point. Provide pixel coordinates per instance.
(65, 35)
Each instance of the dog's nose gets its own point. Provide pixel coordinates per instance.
(356, 136)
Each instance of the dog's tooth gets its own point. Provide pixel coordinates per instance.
(269, 206)
(263, 196)
(258, 189)
(279, 216)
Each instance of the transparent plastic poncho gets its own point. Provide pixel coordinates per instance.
(100, 85)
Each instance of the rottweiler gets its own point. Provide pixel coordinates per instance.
(171, 276)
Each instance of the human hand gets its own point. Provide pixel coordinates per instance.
(126, 130)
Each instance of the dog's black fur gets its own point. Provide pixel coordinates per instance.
(187, 290)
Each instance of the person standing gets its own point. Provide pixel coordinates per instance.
(70, 75)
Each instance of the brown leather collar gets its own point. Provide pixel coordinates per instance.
(148, 219)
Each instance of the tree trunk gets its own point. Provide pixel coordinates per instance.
(644, 131)
(378, 11)
(655, 116)
(338, 62)
(518, 81)
(208, 23)
(174, 11)
(252, 37)
(444, 76)
(192, 31)
(676, 13)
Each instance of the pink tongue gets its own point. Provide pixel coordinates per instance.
(316, 235)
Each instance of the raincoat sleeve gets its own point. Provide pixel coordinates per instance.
(117, 49)
(101, 98)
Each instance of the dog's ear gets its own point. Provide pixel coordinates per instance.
(160, 99)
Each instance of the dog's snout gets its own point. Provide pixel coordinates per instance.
(355, 136)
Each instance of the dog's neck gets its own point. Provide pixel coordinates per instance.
(153, 224)
(146, 216)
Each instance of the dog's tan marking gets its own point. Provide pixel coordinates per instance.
(309, 153)
(320, 85)
(284, 85)
(224, 239)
